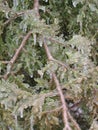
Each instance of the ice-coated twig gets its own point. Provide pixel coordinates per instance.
(14, 58)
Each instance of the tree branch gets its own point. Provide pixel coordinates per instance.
(12, 61)
(73, 121)
(52, 111)
(50, 58)
(65, 116)
(4, 62)
(55, 41)
(36, 7)
(12, 18)
(66, 113)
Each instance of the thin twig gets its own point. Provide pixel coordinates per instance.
(55, 41)
(18, 14)
(52, 111)
(12, 61)
(12, 18)
(4, 62)
(65, 110)
(50, 58)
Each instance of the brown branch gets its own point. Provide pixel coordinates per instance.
(65, 110)
(4, 62)
(36, 7)
(52, 111)
(55, 41)
(65, 116)
(50, 58)
(18, 14)
(66, 113)
(12, 18)
(12, 61)
(74, 122)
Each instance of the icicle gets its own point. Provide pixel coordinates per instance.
(21, 113)
(81, 26)
(31, 76)
(15, 3)
(24, 27)
(8, 68)
(82, 51)
(34, 35)
(72, 45)
(40, 72)
(16, 121)
(31, 123)
(6, 107)
(22, 1)
(7, 15)
(40, 43)
(17, 41)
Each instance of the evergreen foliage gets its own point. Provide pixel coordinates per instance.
(29, 99)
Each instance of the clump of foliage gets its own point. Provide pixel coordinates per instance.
(59, 40)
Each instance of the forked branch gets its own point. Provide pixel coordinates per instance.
(65, 113)
(50, 57)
